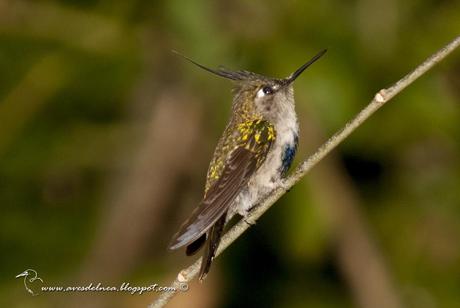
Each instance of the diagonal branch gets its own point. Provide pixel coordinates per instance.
(383, 96)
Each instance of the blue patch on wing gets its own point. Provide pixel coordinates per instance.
(288, 155)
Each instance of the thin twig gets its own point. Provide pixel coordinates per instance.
(383, 96)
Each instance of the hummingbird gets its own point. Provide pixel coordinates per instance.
(253, 155)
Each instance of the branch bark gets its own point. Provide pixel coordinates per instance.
(380, 98)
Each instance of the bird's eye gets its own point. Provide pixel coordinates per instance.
(267, 90)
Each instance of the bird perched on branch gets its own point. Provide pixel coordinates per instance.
(255, 151)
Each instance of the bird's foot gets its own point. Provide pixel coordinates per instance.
(249, 222)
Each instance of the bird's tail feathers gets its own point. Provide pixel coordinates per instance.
(214, 235)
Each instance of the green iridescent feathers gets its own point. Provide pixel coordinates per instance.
(255, 135)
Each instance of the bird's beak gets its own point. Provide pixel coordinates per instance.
(300, 70)
(22, 274)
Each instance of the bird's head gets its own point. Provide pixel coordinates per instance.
(259, 94)
(24, 274)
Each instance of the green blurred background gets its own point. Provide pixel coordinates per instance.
(105, 137)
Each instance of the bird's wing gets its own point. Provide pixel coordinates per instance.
(256, 138)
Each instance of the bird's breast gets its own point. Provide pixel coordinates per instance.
(275, 165)
(267, 177)
(278, 159)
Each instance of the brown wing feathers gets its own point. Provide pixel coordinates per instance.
(240, 166)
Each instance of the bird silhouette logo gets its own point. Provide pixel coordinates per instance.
(30, 280)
